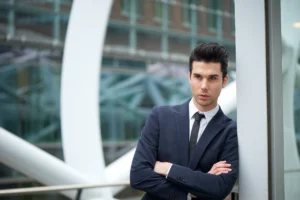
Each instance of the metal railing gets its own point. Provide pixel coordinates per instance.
(58, 188)
(78, 187)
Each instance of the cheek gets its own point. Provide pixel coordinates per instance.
(217, 90)
(194, 89)
(194, 85)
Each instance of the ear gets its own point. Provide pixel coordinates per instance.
(189, 76)
(225, 80)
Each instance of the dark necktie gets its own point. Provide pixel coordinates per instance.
(195, 131)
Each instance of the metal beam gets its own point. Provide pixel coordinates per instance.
(111, 95)
(277, 110)
(56, 21)
(136, 100)
(173, 33)
(36, 137)
(132, 32)
(193, 26)
(127, 83)
(11, 21)
(164, 29)
(219, 25)
(154, 93)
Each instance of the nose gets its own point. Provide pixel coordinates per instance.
(204, 84)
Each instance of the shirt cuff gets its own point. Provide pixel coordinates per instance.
(169, 170)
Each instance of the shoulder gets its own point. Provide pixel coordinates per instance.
(168, 109)
(230, 124)
(165, 110)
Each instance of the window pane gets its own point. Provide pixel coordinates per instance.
(158, 10)
(125, 4)
(214, 6)
(291, 96)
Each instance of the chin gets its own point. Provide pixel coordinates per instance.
(204, 104)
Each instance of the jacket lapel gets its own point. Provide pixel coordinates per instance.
(214, 126)
(182, 123)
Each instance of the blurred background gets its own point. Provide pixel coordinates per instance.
(144, 63)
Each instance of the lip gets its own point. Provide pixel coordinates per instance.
(203, 97)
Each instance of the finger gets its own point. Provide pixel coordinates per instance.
(223, 165)
(212, 172)
(216, 165)
(193, 196)
(224, 169)
(221, 162)
(221, 172)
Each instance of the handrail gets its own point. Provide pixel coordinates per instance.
(49, 189)
(57, 188)
(79, 187)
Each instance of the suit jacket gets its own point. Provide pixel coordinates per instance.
(165, 138)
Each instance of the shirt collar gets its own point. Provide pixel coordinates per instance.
(208, 114)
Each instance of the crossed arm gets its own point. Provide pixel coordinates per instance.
(218, 168)
(149, 175)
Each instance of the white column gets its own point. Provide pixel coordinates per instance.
(252, 99)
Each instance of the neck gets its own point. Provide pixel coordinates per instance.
(204, 108)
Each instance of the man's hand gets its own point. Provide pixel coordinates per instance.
(220, 168)
(193, 196)
(162, 168)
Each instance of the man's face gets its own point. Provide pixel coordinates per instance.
(206, 84)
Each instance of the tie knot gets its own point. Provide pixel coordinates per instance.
(198, 116)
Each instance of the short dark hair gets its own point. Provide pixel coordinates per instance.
(210, 52)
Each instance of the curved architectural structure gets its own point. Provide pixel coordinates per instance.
(80, 88)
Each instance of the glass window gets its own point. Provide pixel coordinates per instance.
(126, 4)
(232, 17)
(187, 11)
(125, 7)
(213, 7)
(290, 32)
(159, 9)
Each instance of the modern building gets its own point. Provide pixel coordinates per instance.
(144, 63)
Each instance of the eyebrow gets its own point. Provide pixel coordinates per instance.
(195, 74)
(213, 75)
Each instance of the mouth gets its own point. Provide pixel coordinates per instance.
(203, 97)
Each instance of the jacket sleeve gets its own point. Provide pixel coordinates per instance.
(142, 175)
(205, 185)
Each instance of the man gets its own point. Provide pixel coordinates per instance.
(190, 150)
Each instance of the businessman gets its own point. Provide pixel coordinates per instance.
(190, 151)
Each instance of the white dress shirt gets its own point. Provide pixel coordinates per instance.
(203, 123)
(208, 116)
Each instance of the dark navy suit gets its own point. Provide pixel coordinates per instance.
(165, 138)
